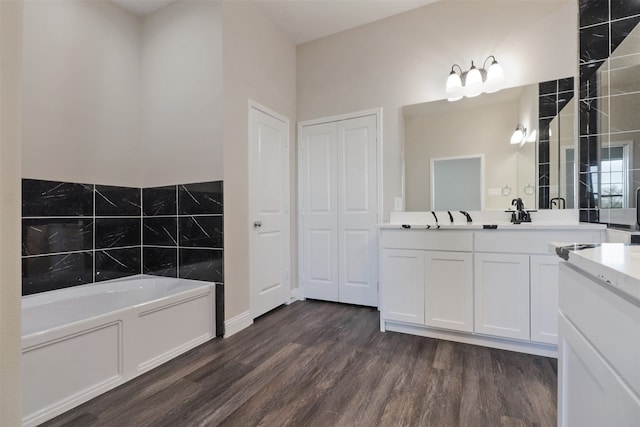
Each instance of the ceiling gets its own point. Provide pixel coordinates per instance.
(307, 20)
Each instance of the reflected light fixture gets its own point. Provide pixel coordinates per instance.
(532, 136)
(519, 135)
(475, 81)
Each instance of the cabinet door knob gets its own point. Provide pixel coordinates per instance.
(257, 224)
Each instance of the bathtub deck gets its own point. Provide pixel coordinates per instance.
(316, 363)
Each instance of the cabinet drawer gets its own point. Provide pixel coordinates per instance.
(439, 240)
(609, 322)
(529, 241)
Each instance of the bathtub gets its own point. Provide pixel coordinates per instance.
(80, 342)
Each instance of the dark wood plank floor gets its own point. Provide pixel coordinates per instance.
(324, 364)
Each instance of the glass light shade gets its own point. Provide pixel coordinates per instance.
(473, 82)
(455, 98)
(454, 83)
(495, 73)
(518, 135)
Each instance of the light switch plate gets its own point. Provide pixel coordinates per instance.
(397, 203)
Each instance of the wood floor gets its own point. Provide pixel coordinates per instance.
(323, 364)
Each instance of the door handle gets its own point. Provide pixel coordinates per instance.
(257, 224)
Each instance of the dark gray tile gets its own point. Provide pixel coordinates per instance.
(160, 261)
(201, 231)
(589, 87)
(49, 272)
(200, 198)
(594, 43)
(201, 264)
(548, 105)
(548, 87)
(160, 200)
(117, 232)
(50, 235)
(55, 198)
(593, 12)
(624, 8)
(619, 32)
(117, 201)
(219, 309)
(117, 263)
(160, 231)
(566, 84)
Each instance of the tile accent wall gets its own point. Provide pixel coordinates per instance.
(603, 25)
(74, 234)
(553, 95)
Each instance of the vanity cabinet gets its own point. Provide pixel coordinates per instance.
(497, 288)
(502, 295)
(424, 286)
(599, 349)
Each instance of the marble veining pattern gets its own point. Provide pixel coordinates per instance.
(50, 235)
(117, 201)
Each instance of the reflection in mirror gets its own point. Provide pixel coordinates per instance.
(456, 183)
(619, 80)
(473, 126)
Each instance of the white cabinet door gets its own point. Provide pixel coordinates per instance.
(402, 273)
(449, 290)
(544, 298)
(590, 392)
(502, 295)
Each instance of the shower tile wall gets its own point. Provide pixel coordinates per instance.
(553, 95)
(603, 25)
(74, 234)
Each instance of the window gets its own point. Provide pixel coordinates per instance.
(614, 186)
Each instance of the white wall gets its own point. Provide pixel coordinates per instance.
(182, 96)
(10, 282)
(405, 60)
(80, 92)
(259, 64)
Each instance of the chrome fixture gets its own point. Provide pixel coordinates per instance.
(475, 81)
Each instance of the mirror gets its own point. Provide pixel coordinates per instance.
(618, 129)
(472, 127)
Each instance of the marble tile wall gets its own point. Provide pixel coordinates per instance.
(553, 95)
(603, 26)
(74, 234)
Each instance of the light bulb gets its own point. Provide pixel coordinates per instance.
(518, 135)
(473, 82)
(495, 73)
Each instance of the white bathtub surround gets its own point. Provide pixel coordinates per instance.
(599, 344)
(82, 341)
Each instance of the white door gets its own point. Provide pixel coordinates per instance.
(339, 210)
(318, 181)
(358, 211)
(269, 210)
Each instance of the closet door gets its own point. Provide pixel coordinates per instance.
(338, 195)
(357, 211)
(319, 211)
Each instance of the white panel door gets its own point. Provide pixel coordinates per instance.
(319, 210)
(544, 298)
(502, 295)
(448, 293)
(339, 210)
(269, 211)
(357, 211)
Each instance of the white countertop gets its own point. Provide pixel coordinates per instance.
(616, 264)
(499, 226)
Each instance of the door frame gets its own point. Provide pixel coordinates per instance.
(253, 105)
(379, 146)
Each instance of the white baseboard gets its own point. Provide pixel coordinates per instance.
(237, 323)
(296, 295)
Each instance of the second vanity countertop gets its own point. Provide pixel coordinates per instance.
(616, 264)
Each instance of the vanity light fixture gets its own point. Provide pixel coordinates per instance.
(519, 135)
(475, 81)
